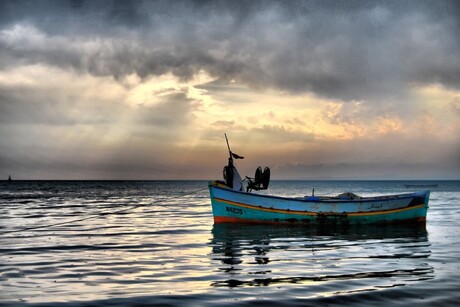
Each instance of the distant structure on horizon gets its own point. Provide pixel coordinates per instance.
(421, 185)
(9, 178)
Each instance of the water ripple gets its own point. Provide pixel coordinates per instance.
(153, 246)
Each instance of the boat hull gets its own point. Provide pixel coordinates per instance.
(231, 206)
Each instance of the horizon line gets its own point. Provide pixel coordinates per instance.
(292, 179)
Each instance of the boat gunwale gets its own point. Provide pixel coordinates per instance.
(329, 200)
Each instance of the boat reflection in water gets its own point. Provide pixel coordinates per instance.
(329, 259)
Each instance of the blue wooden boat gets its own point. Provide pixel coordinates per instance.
(233, 201)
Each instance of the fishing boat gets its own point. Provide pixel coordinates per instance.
(235, 200)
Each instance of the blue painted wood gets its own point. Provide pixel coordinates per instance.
(234, 206)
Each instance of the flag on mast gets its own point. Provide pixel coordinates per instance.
(234, 155)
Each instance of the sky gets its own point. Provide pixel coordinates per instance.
(147, 89)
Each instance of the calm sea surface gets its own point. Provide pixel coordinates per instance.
(98, 243)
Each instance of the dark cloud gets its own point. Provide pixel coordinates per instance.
(84, 115)
(347, 50)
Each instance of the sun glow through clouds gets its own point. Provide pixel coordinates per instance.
(150, 98)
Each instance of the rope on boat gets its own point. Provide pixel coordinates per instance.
(96, 215)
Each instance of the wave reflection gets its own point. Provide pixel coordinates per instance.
(338, 259)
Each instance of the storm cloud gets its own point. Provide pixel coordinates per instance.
(351, 50)
(145, 89)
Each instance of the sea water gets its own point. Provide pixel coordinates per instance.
(144, 243)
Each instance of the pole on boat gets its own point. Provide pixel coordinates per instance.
(228, 146)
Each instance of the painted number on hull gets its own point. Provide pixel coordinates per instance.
(234, 210)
